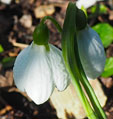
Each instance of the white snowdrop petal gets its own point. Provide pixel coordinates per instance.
(91, 52)
(19, 67)
(61, 76)
(85, 3)
(6, 1)
(33, 73)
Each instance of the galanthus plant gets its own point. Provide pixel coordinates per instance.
(41, 67)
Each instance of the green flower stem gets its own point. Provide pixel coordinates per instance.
(68, 49)
(53, 21)
(72, 68)
(41, 32)
(91, 94)
(89, 90)
(90, 113)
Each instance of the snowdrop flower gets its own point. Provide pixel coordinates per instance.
(6, 1)
(91, 52)
(37, 72)
(86, 3)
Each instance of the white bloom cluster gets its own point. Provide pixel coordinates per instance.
(37, 71)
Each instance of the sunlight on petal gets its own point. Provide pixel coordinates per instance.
(91, 52)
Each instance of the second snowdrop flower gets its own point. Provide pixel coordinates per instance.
(91, 52)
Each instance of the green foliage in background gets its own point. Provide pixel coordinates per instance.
(108, 70)
(102, 9)
(105, 32)
(8, 62)
(1, 48)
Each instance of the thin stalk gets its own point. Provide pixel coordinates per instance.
(89, 112)
(93, 98)
(53, 21)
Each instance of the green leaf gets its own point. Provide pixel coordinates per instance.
(105, 32)
(102, 9)
(1, 48)
(8, 62)
(108, 70)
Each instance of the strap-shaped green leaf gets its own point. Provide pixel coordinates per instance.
(68, 48)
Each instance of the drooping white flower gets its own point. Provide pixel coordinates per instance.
(86, 3)
(91, 52)
(37, 72)
(6, 1)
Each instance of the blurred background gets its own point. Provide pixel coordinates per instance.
(18, 19)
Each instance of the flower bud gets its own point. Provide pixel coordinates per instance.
(81, 20)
